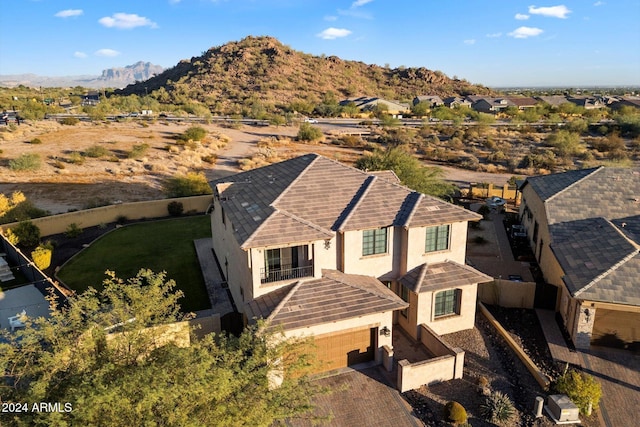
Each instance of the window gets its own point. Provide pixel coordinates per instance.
(374, 241)
(447, 303)
(437, 238)
(404, 294)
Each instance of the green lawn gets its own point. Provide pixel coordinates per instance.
(165, 245)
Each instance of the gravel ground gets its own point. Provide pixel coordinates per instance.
(487, 355)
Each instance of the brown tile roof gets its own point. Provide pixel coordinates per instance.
(442, 275)
(336, 296)
(316, 197)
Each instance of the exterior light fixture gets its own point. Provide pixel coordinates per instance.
(385, 331)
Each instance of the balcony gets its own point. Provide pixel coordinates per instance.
(285, 272)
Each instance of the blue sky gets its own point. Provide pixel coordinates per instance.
(495, 43)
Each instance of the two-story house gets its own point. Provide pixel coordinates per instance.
(324, 249)
(584, 228)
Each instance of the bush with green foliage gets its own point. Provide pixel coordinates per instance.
(309, 133)
(498, 408)
(76, 158)
(424, 179)
(455, 412)
(35, 141)
(581, 388)
(26, 162)
(96, 151)
(138, 151)
(73, 230)
(41, 256)
(27, 233)
(194, 133)
(175, 208)
(70, 121)
(192, 184)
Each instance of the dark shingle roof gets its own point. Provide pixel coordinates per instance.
(549, 185)
(442, 275)
(311, 197)
(336, 296)
(592, 252)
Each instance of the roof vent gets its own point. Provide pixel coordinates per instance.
(257, 218)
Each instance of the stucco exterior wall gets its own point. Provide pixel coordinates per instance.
(453, 323)
(416, 240)
(372, 265)
(234, 261)
(507, 294)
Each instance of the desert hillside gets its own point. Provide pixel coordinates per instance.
(263, 69)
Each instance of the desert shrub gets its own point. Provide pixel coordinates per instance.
(76, 158)
(455, 412)
(26, 233)
(175, 208)
(581, 388)
(41, 256)
(35, 141)
(58, 164)
(121, 219)
(210, 158)
(26, 162)
(70, 121)
(194, 133)
(351, 140)
(138, 151)
(73, 230)
(96, 151)
(498, 408)
(309, 133)
(192, 184)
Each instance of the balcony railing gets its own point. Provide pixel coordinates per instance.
(285, 272)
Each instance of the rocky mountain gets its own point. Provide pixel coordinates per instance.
(262, 69)
(112, 77)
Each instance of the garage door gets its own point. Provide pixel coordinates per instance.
(345, 349)
(615, 328)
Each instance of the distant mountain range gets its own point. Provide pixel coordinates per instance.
(117, 77)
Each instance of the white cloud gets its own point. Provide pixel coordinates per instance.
(470, 41)
(107, 52)
(599, 3)
(69, 13)
(560, 11)
(126, 21)
(359, 3)
(333, 33)
(494, 35)
(330, 18)
(521, 17)
(525, 32)
(79, 54)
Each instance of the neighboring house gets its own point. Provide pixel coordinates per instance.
(491, 105)
(370, 104)
(323, 249)
(584, 227)
(455, 101)
(91, 98)
(432, 100)
(629, 101)
(588, 103)
(523, 102)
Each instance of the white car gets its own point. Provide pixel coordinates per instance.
(310, 121)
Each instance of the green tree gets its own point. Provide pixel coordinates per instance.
(566, 143)
(111, 357)
(27, 233)
(421, 109)
(191, 184)
(309, 133)
(194, 133)
(424, 179)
